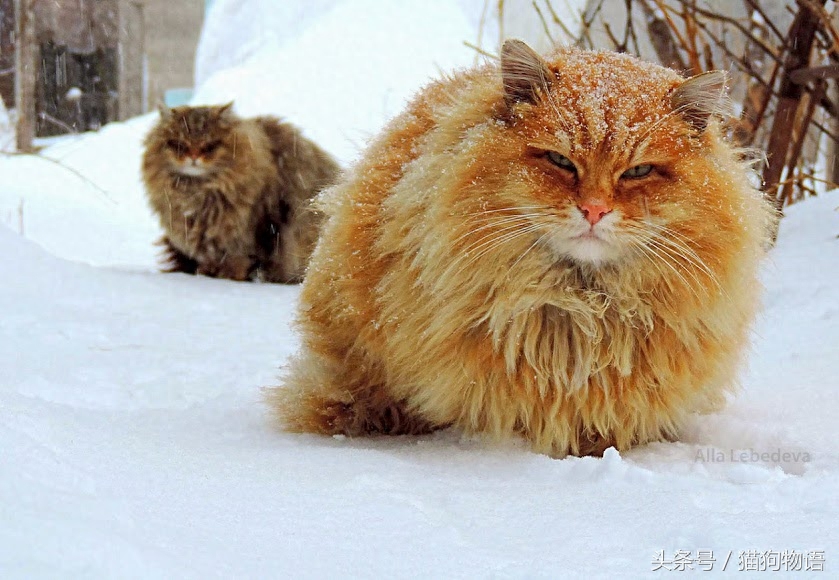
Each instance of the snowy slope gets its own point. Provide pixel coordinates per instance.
(134, 443)
(82, 199)
(135, 446)
(344, 75)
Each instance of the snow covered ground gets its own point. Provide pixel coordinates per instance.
(134, 443)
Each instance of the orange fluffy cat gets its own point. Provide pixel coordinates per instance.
(564, 250)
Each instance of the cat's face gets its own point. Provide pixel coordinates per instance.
(608, 159)
(195, 141)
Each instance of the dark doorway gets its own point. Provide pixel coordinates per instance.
(76, 91)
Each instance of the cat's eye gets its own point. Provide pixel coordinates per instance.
(637, 171)
(210, 148)
(562, 161)
(177, 146)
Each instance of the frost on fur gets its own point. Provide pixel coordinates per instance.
(545, 248)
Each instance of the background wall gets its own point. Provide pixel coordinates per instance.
(171, 38)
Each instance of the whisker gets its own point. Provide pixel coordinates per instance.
(682, 244)
(642, 251)
(496, 222)
(653, 241)
(488, 236)
(490, 245)
(516, 208)
(675, 258)
(672, 254)
(663, 259)
(687, 253)
(533, 245)
(503, 238)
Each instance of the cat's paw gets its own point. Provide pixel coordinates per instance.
(239, 268)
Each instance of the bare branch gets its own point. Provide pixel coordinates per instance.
(557, 20)
(800, 40)
(661, 36)
(544, 22)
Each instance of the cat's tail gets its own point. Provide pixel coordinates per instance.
(314, 399)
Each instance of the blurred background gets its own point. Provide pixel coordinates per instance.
(97, 61)
(70, 66)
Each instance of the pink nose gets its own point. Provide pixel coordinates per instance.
(594, 212)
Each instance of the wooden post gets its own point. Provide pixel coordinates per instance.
(132, 82)
(26, 73)
(833, 146)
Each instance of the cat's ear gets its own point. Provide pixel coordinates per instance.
(524, 73)
(225, 111)
(165, 111)
(701, 97)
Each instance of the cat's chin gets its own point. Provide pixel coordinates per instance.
(193, 171)
(588, 251)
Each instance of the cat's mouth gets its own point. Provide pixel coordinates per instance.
(590, 234)
(193, 170)
(590, 245)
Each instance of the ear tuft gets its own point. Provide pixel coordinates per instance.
(524, 73)
(701, 97)
(225, 111)
(165, 111)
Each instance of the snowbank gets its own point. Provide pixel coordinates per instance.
(135, 445)
(343, 76)
(82, 199)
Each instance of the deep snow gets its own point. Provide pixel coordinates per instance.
(135, 444)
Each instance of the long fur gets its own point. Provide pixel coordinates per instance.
(446, 289)
(246, 213)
